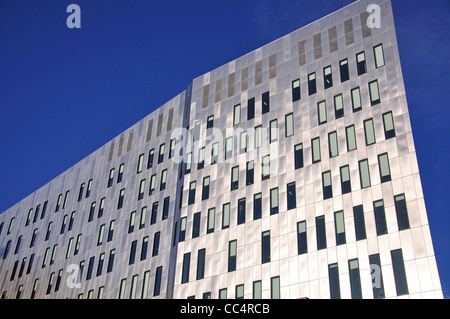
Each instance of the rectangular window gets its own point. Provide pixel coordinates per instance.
(338, 106)
(240, 291)
(201, 158)
(191, 198)
(321, 236)
(327, 77)
(196, 133)
(188, 164)
(132, 253)
(302, 245)
(258, 136)
(322, 112)
(388, 123)
(296, 90)
(100, 235)
(360, 225)
(80, 194)
(374, 93)
(120, 175)
(77, 246)
(226, 215)
(69, 247)
(257, 289)
(63, 224)
(215, 153)
(346, 186)
(298, 156)
(361, 63)
(132, 222)
(291, 196)
(356, 100)
(355, 280)
(398, 265)
(235, 178)
(312, 89)
(378, 55)
(333, 275)
(274, 201)
(154, 213)
(205, 188)
(364, 173)
(88, 190)
(100, 210)
(273, 130)
(251, 109)
(182, 235)
(66, 197)
(243, 142)
(49, 229)
(401, 211)
(383, 163)
(211, 220)
(241, 211)
(201, 263)
(143, 217)
(350, 137)
(265, 247)
(369, 132)
(289, 124)
(339, 227)
(315, 145)
(123, 284)
(265, 167)
(141, 189)
(250, 173)
(156, 240)
(121, 197)
(232, 255)
(265, 103)
(90, 268)
(44, 209)
(377, 276)
(158, 279)
(112, 253)
(172, 147)
(333, 144)
(275, 287)
(196, 225)
(161, 153)
(140, 163)
(223, 293)
(380, 217)
(326, 182)
(237, 114)
(58, 203)
(257, 206)
(144, 247)
(166, 204)
(151, 155)
(91, 212)
(145, 285)
(111, 230)
(133, 287)
(229, 147)
(343, 68)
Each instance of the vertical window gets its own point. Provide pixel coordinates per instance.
(374, 93)
(274, 201)
(30, 212)
(356, 100)
(237, 114)
(33, 238)
(143, 217)
(364, 174)
(133, 287)
(145, 285)
(191, 197)
(158, 279)
(265, 102)
(265, 167)
(156, 240)
(151, 155)
(91, 212)
(291, 196)
(355, 280)
(63, 225)
(333, 144)
(154, 213)
(88, 190)
(166, 204)
(360, 225)
(350, 137)
(100, 210)
(211, 220)
(249, 174)
(275, 287)
(11, 223)
(144, 247)
(49, 229)
(251, 109)
(315, 145)
(232, 255)
(378, 55)
(380, 217)
(196, 135)
(112, 253)
(90, 267)
(66, 197)
(312, 89)
(50, 284)
(298, 156)
(377, 276)
(52, 257)
(243, 142)
(100, 235)
(258, 136)
(241, 211)
(182, 235)
(172, 148)
(240, 291)
(141, 189)
(229, 147)
(19, 241)
(257, 289)
(322, 112)
(369, 132)
(120, 175)
(140, 163)
(77, 245)
(388, 123)
(80, 194)
(338, 106)
(361, 63)
(289, 124)
(5, 253)
(215, 153)
(296, 90)
(346, 186)
(339, 227)
(257, 206)
(36, 213)
(201, 158)
(188, 165)
(383, 163)
(326, 182)
(398, 265)
(401, 211)
(161, 153)
(132, 253)
(162, 185)
(201, 263)
(196, 225)
(185, 269)
(123, 284)
(33, 292)
(132, 222)
(121, 196)
(320, 233)
(226, 215)
(302, 246)
(44, 209)
(58, 203)
(235, 177)
(265, 247)
(327, 77)
(343, 69)
(333, 275)
(111, 230)
(273, 130)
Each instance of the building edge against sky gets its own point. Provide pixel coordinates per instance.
(343, 216)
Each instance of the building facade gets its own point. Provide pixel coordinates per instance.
(289, 172)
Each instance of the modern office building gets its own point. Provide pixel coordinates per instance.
(298, 178)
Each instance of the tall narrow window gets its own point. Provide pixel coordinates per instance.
(312, 89)
(154, 213)
(226, 215)
(369, 132)
(99, 214)
(257, 206)
(201, 263)
(380, 217)
(140, 163)
(327, 77)
(273, 130)
(274, 201)
(172, 148)
(240, 291)
(196, 133)
(315, 145)
(378, 55)
(191, 198)
(33, 238)
(211, 220)
(151, 155)
(302, 245)
(30, 212)
(364, 173)
(333, 144)
(374, 93)
(229, 147)
(123, 284)
(156, 240)
(201, 158)
(100, 235)
(339, 227)
(232, 255)
(343, 68)
(265, 167)
(265, 103)
(143, 217)
(333, 275)
(258, 136)
(350, 137)
(58, 203)
(66, 198)
(361, 63)
(188, 164)
(145, 285)
(144, 247)
(251, 109)
(131, 222)
(275, 287)
(112, 254)
(166, 204)
(243, 142)
(346, 186)
(326, 183)
(383, 163)
(132, 253)
(49, 229)
(158, 279)
(77, 245)
(338, 106)
(235, 178)
(237, 114)
(88, 190)
(182, 235)
(291, 196)
(162, 185)
(241, 211)
(196, 225)
(296, 90)
(250, 173)
(257, 289)
(265, 247)
(321, 233)
(215, 153)
(401, 211)
(298, 156)
(121, 198)
(355, 280)
(120, 175)
(289, 124)
(80, 194)
(388, 123)
(356, 100)
(111, 230)
(161, 153)
(91, 212)
(134, 280)
(398, 265)
(63, 225)
(90, 268)
(377, 276)
(44, 209)
(360, 225)
(322, 112)
(141, 189)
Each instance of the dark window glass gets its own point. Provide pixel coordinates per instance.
(132, 253)
(274, 201)
(343, 68)
(301, 238)
(205, 190)
(112, 253)
(380, 217)
(166, 208)
(402, 212)
(235, 177)
(251, 109)
(339, 225)
(80, 194)
(327, 77)
(377, 277)
(158, 278)
(154, 213)
(346, 186)
(333, 274)
(296, 90)
(257, 206)
(182, 229)
(388, 123)
(201, 263)
(265, 247)
(90, 267)
(312, 88)
(186, 265)
(360, 225)
(196, 225)
(298, 155)
(191, 198)
(232, 255)
(265, 103)
(151, 155)
(161, 153)
(361, 63)
(120, 201)
(320, 233)
(156, 244)
(401, 284)
(250, 174)
(326, 182)
(291, 196)
(144, 247)
(241, 211)
(355, 280)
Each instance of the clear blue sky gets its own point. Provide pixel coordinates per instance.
(66, 92)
